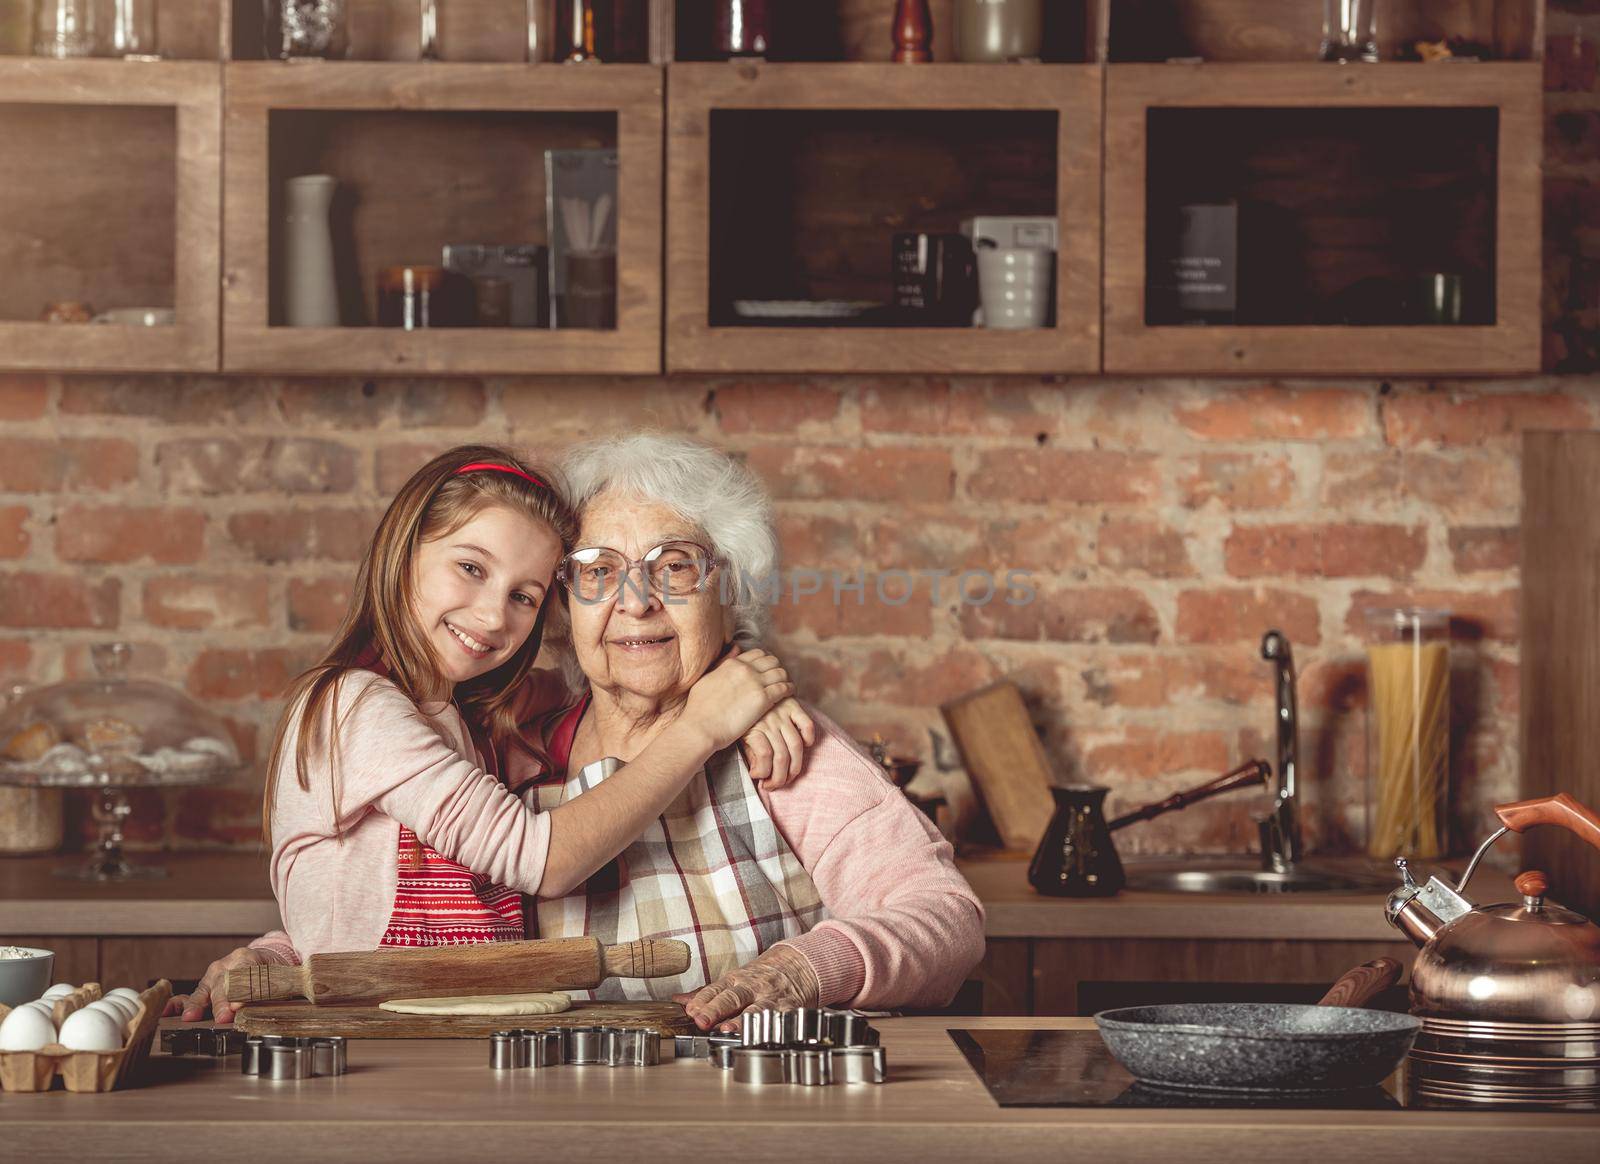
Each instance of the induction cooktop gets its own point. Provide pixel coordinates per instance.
(1041, 1068)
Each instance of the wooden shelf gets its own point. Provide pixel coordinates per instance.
(1511, 91)
(138, 145)
(496, 107)
(1067, 95)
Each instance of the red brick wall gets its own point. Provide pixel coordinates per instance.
(213, 523)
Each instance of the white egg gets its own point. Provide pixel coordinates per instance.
(121, 1003)
(110, 1007)
(26, 1029)
(59, 990)
(45, 1004)
(91, 1030)
(124, 992)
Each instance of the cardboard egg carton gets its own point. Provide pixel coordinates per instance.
(86, 1070)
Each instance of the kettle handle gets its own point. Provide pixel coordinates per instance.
(1559, 809)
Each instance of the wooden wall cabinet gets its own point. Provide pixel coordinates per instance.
(138, 146)
(433, 154)
(871, 150)
(753, 181)
(1339, 190)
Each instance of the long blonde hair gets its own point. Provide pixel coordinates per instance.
(379, 627)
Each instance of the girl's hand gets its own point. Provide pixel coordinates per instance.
(213, 987)
(729, 699)
(775, 749)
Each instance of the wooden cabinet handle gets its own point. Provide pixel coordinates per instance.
(1559, 809)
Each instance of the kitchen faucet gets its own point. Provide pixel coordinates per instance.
(1280, 828)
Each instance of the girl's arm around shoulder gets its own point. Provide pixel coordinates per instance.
(393, 759)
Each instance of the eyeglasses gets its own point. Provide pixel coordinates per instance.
(672, 570)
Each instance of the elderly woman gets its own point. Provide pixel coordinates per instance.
(833, 890)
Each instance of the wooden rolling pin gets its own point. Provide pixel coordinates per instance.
(445, 971)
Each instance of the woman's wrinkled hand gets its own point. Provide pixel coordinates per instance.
(213, 988)
(728, 700)
(775, 749)
(780, 979)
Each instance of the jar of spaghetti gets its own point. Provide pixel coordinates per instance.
(1408, 733)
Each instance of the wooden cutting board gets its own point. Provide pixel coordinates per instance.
(368, 1022)
(1002, 754)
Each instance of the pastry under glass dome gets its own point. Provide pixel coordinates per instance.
(110, 734)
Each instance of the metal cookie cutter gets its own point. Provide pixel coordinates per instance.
(212, 1042)
(811, 1046)
(702, 1046)
(809, 1066)
(292, 1057)
(577, 1047)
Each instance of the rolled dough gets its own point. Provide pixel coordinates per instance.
(488, 1004)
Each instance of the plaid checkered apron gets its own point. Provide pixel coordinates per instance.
(712, 871)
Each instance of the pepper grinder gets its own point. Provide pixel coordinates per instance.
(913, 33)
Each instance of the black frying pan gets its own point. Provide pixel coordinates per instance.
(1249, 1046)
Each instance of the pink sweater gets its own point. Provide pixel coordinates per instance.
(905, 926)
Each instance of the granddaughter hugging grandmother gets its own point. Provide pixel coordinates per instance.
(665, 783)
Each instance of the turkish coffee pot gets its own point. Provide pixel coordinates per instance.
(1524, 962)
(1076, 857)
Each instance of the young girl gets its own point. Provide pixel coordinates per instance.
(388, 821)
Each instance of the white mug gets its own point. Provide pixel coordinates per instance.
(1014, 286)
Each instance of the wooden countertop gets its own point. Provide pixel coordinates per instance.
(228, 894)
(433, 1100)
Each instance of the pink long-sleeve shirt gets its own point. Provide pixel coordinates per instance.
(905, 926)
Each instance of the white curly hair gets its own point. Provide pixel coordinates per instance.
(704, 486)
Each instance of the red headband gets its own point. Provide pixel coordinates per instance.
(512, 469)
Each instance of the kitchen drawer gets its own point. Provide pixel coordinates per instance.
(139, 961)
(1062, 966)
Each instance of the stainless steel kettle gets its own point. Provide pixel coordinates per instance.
(1523, 962)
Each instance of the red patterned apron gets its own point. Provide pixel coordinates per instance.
(440, 902)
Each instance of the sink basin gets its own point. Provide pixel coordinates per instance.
(1196, 876)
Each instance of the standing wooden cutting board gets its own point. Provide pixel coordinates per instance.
(1003, 756)
(368, 1022)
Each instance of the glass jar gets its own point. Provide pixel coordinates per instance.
(741, 28)
(1349, 30)
(581, 27)
(1408, 733)
(999, 30)
(64, 28)
(133, 30)
(30, 818)
(305, 29)
(541, 16)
